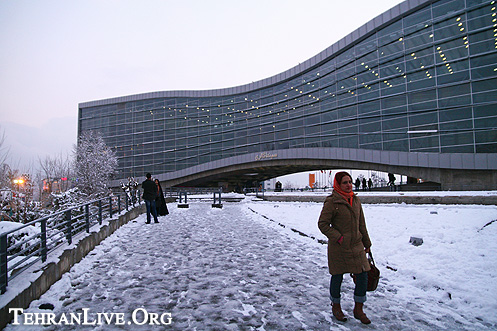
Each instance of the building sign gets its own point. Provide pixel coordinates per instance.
(265, 155)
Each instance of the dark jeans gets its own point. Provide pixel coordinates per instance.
(150, 204)
(360, 287)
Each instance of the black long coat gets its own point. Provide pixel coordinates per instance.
(160, 203)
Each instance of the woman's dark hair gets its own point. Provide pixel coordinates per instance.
(340, 175)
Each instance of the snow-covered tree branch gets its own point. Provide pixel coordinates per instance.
(95, 163)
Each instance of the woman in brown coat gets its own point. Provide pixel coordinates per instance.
(342, 221)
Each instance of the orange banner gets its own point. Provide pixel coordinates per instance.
(312, 180)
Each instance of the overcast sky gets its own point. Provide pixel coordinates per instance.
(55, 54)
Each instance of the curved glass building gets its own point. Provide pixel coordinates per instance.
(417, 86)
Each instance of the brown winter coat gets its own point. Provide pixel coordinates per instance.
(338, 218)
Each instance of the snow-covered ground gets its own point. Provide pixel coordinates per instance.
(235, 269)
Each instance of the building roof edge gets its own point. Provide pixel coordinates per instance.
(352, 38)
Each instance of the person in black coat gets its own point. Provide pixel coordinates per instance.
(160, 202)
(357, 184)
(149, 195)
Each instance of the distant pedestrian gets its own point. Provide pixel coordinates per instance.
(149, 195)
(357, 184)
(160, 202)
(342, 221)
(370, 184)
(364, 184)
(391, 179)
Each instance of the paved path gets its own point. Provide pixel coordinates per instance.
(225, 269)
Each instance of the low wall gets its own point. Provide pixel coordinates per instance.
(412, 199)
(50, 272)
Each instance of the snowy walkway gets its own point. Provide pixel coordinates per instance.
(226, 269)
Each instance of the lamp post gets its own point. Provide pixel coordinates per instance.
(17, 182)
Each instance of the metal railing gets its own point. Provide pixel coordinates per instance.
(177, 191)
(21, 249)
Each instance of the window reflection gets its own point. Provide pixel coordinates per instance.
(434, 68)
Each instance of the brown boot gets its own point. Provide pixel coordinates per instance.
(359, 313)
(337, 312)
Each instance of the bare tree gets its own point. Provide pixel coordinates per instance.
(4, 150)
(377, 179)
(4, 167)
(4, 175)
(56, 168)
(288, 185)
(12, 174)
(48, 168)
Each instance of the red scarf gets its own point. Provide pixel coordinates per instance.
(348, 196)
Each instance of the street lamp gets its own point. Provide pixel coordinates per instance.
(18, 182)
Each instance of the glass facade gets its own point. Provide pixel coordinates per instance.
(425, 82)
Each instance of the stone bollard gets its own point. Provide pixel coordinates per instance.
(416, 241)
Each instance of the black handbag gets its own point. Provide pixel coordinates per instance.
(373, 274)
